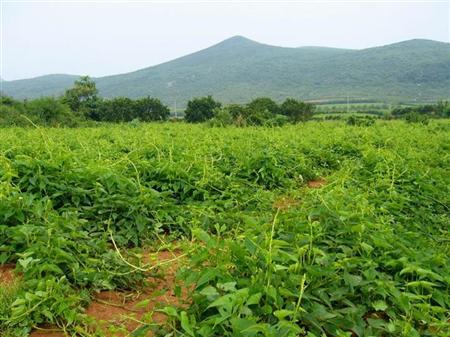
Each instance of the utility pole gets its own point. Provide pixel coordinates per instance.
(348, 104)
(176, 113)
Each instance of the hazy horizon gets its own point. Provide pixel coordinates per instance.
(100, 38)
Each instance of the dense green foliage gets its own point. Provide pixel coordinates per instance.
(46, 111)
(441, 109)
(263, 105)
(82, 97)
(49, 111)
(364, 255)
(296, 110)
(123, 109)
(238, 69)
(261, 111)
(81, 104)
(201, 109)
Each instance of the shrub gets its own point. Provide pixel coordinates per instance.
(277, 120)
(119, 109)
(360, 121)
(297, 111)
(237, 111)
(51, 112)
(11, 115)
(414, 117)
(82, 97)
(440, 109)
(263, 105)
(201, 109)
(222, 117)
(150, 109)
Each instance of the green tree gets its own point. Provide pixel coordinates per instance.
(12, 112)
(119, 109)
(50, 111)
(222, 117)
(236, 110)
(443, 108)
(415, 117)
(263, 105)
(82, 97)
(238, 113)
(150, 109)
(297, 111)
(7, 100)
(201, 109)
(446, 111)
(260, 110)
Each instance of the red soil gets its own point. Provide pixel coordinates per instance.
(7, 273)
(116, 313)
(317, 183)
(285, 203)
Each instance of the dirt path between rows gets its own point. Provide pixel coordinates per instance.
(7, 274)
(317, 183)
(286, 202)
(117, 314)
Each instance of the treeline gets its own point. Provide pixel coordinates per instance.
(441, 109)
(83, 100)
(260, 111)
(46, 111)
(438, 110)
(77, 105)
(82, 104)
(422, 113)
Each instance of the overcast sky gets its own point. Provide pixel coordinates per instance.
(102, 38)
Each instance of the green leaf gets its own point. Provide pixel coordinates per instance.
(254, 299)
(142, 331)
(210, 292)
(142, 304)
(424, 284)
(169, 311)
(227, 287)
(379, 305)
(282, 314)
(185, 324)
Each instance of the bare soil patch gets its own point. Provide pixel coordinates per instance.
(117, 309)
(118, 313)
(7, 273)
(285, 203)
(316, 183)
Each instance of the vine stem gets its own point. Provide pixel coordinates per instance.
(269, 258)
(140, 268)
(300, 296)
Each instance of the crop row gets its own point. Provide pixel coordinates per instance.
(366, 254)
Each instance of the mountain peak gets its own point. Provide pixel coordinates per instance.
(238, 69)
(237, 40)
(413, 43)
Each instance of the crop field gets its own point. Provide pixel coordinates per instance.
(170, 229)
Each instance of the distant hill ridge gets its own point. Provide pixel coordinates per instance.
(239, 69)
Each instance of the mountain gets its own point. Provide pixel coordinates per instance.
(46, 85)
(239, 69)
